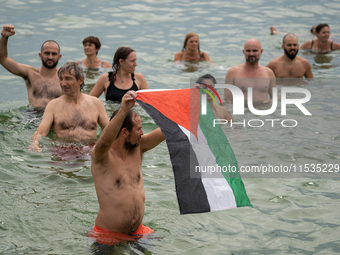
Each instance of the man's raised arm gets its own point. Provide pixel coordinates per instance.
(8, 63)
(112, 129)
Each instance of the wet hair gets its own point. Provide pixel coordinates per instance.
(77, 71)
(42, 46)
(311, 30)
(289, 35)
(206, 77)
(121, 53)
(187, 37)
(94, 40)
(320, 26)
(128, 121)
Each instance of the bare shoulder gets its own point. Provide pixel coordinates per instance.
(302, 60)
(92, 99)
(139, 76)
(336, 46)
(103, 78)
(96, 106)
(55, 104)
(206, 57)
(306, 45)
(140, 81)
(238, 67)
(274, 62)
(31, 70)
(178, 56)
(269, 72)
(101, 85)
(232, 72)
(106, 64)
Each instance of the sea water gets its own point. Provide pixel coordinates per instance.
(48, 202)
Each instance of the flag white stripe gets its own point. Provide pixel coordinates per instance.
(219, 193)
(154, 90)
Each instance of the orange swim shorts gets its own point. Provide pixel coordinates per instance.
(108, 237)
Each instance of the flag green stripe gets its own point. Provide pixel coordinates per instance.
(221, 149)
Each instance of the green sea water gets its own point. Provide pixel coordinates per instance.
(47, 200)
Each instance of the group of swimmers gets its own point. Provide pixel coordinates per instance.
(117, 155)
(74, 116)
(115, 84)
(322, 42)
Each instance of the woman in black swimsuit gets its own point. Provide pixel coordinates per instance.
(123, 78)
(321, 44)
(191, 50)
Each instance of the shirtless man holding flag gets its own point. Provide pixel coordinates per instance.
(117, 172)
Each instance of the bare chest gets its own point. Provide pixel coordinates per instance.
(39, 87)
(191, 57)
(257, 84)
(322, 48)
(71, 119)
(121, 173)
(294, 70)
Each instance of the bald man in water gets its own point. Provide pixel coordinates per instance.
(42, 84)
(117, 171)
(251, 74)
(289, 65)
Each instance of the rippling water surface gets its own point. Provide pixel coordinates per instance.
(48, 201)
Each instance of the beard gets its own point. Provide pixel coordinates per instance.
(252, 59)
(291, 56)
(49, 66)
(129, 146)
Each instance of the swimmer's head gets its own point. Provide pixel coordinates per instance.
(49, 41)
(77, 71)
(94, 40)
(133, 125)
(50, 54)
(128, 121)
(320, 26)
(252, 51)
(290, 45)
(187, 37)
(121, 53)
(206, 77)
(288, 35)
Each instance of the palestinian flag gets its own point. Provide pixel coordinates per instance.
(200, 153)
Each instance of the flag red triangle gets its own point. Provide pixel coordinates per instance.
(180, 105)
